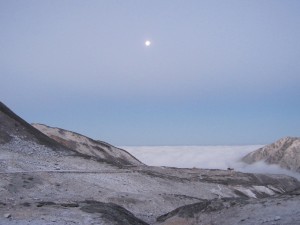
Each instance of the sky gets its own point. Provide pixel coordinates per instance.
(216, 72)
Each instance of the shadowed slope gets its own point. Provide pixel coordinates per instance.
(11, 125)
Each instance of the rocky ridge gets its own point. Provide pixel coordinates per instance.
(100, 150)
(284, 152)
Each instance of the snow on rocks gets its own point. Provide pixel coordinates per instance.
(7, 215)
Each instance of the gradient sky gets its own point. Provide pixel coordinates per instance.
(217, 72)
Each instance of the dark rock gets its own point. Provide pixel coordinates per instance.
(112, 212)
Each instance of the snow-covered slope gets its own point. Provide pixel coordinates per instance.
(284, 152)
(87, 146)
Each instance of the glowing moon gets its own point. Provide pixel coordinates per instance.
(147, 43)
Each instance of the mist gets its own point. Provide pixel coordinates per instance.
(206, 157)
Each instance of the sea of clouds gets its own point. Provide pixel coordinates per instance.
(209, 157)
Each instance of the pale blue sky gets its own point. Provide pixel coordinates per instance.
(217, 72)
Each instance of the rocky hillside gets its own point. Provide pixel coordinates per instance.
(12, 126)
(87, 146)
(227, 211)
(284, 152)
(45, 182)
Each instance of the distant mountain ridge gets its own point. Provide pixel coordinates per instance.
(284, 152)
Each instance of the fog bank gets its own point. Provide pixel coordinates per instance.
(208, 157)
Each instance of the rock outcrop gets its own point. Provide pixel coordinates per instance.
(284, 152)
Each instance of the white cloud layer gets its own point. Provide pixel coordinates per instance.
(209, 157)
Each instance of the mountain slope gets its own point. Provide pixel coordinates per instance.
(11, 125)
(88, 146)
(16, 131)
(284, 152)
(44, 182)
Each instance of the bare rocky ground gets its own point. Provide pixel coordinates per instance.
(46, 182)
(280, 209)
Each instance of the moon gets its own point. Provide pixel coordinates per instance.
(147, 43)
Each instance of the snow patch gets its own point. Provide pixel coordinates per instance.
(246, 191)
(264, 189)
